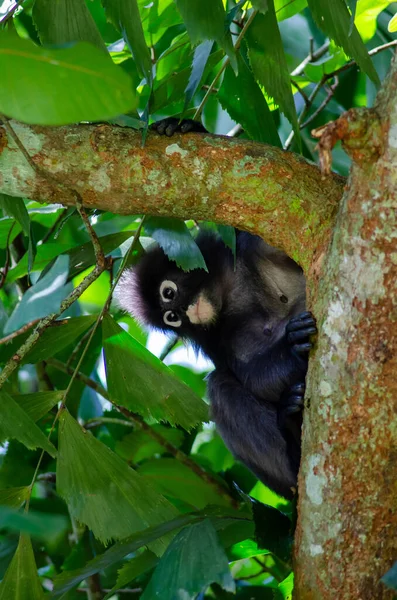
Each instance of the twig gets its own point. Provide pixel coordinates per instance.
(15, 334)
(323, 104)
(225, 64)
(54, 227)
(138, 420)
(98, 421)
(311, 57)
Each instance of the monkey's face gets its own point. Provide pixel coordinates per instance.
(160, 294)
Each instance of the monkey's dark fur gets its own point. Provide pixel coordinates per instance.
(249, 321)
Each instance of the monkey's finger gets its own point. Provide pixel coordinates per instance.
(191, 125)
(301, 316)
(298, 388)
(302, 348)
(300, 325)
(300, 334)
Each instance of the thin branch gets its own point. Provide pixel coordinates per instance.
(327, 99)
(15, 334)
(313, 56)
(138, 420)
(98, 421)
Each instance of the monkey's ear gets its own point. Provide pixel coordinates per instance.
(128, 296)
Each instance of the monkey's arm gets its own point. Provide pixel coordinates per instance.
(251, 431)
(270, 373)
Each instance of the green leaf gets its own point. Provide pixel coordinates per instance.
(15, 207)
(138, 446)
(286, 9)
(8, 231)
(43, 298)
(268, 62)
(200, 58)
(392, 26)
(206, 20)
(60, 86)
(43, 526)
(193, 561)
(21, 581)
(65, 21)
(175, 239)
(132, 569)
(334, 19)
(366, 17)
(67, 580)
(176, 480)
(54, 339)
(37, 404)
(141, 382)
(124, 15)
(102, 491)
(242, 98)
(14, 497)
(15, 423)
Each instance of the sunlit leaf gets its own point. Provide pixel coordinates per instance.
(205, 20)
(21, 581)
(200, 58)
(16, 424)
(176, 241)
(286, 8)
(193, 561)
(392, 26)
(60, 86)
(43, 298)
(65, 21)
(269, 65)
(14, 497)
(141, 382)
(124, 15)
(102, 491)
(334, 19)
(242, 98)
(367, 12)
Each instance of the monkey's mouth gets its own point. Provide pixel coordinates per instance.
(201, 312)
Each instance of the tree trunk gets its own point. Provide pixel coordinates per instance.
(346, 535)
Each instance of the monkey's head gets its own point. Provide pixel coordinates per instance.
(159, 294)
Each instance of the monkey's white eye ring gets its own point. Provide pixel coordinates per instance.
(172, 318)
(168, 290)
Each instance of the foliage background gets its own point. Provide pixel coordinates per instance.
(148, 466)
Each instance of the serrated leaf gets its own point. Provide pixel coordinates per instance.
(175, 239)
(67, 580)
(21, 581)
(37, 404)
(43, 298)
(54, 339)
(65, 21)
(132, 569)
(334, 19)
(200, 58)
(14, 497)
(124, 15)
(141, 382)
(60, 86)
(193, 561)
(176, 480)
(242, 98)
(16, 424)
(206, 20)
(268, 62)
(102, 491)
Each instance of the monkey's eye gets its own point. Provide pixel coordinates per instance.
(168, 290)
(172, 318)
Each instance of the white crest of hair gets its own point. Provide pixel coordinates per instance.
(128, 297)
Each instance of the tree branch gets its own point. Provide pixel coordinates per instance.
(243, 183)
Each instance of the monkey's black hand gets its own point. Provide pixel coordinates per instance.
(172, 124)
(298, 331)
(289, 414)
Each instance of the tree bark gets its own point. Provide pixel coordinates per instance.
(276, 194)
(346, 536)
